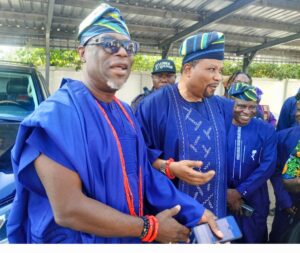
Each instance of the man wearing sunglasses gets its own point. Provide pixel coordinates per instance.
(80, 160)
(163, 73)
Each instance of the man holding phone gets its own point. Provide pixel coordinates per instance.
(250, 163)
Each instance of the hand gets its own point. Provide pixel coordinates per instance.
(234, 201)
(291, 210)
(169, 230)
(184, 170)
(210, 218)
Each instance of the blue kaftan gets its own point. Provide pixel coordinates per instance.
(70, 129)
(175, 128)
(287, 116)
(287, 141)
(251, 162)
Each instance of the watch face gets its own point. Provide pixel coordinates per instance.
(162, 168)
(163, 171)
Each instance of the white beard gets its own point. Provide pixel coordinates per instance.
(114, 85)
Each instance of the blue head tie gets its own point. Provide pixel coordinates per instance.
(243, 91)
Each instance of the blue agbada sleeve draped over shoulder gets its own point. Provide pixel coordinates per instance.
(69, 129)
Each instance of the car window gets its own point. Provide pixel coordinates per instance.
(17, 94)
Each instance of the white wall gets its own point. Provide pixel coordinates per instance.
(275, 91)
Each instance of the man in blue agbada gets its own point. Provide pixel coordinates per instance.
(82, 174)
(251, 158)
(184, 124)
(287, 113)
(287, 211)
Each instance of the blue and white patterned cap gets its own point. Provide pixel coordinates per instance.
(104, 19)
(203, 46)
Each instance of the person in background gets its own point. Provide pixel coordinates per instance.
(237, 76)
(288, 197)
(287, 113)
(263, 111)
(163, 73)
(80, 161)
(292, 184)
(185, 124)
(251, 157)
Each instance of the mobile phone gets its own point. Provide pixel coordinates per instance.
(228, 227)
(247, 210)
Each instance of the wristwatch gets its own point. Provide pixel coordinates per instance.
(162, 167)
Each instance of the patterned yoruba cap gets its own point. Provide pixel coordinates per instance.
(243, 91)
(104, 19)
(203, 46)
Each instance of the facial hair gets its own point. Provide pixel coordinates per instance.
(114, 86)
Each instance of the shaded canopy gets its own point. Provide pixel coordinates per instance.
(268, 30)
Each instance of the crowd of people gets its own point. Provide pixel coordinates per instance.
(91, 169)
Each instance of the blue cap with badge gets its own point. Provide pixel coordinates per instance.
(164, 66)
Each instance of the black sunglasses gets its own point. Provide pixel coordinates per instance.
(113, 46)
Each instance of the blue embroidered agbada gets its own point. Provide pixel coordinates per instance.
(70, 129)
(287, 141)
(251, 162)
(181, 130)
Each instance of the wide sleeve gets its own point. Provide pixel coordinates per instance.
(266, 166)
(226, 106)
(45, 132)
(161, 194)
(149, 117)
(284, 120)
(283, 199)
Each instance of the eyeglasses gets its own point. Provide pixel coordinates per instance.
(113, 46)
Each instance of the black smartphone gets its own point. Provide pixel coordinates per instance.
(228, 227)
(247, 210)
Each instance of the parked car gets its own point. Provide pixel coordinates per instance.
(22, 89)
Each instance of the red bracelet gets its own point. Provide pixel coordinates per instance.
(155, 229)
(151, 229)
(168, 172)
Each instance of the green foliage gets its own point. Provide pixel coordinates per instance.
(146, 62)
(231, 67)
(37, 56)
(70, 58)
